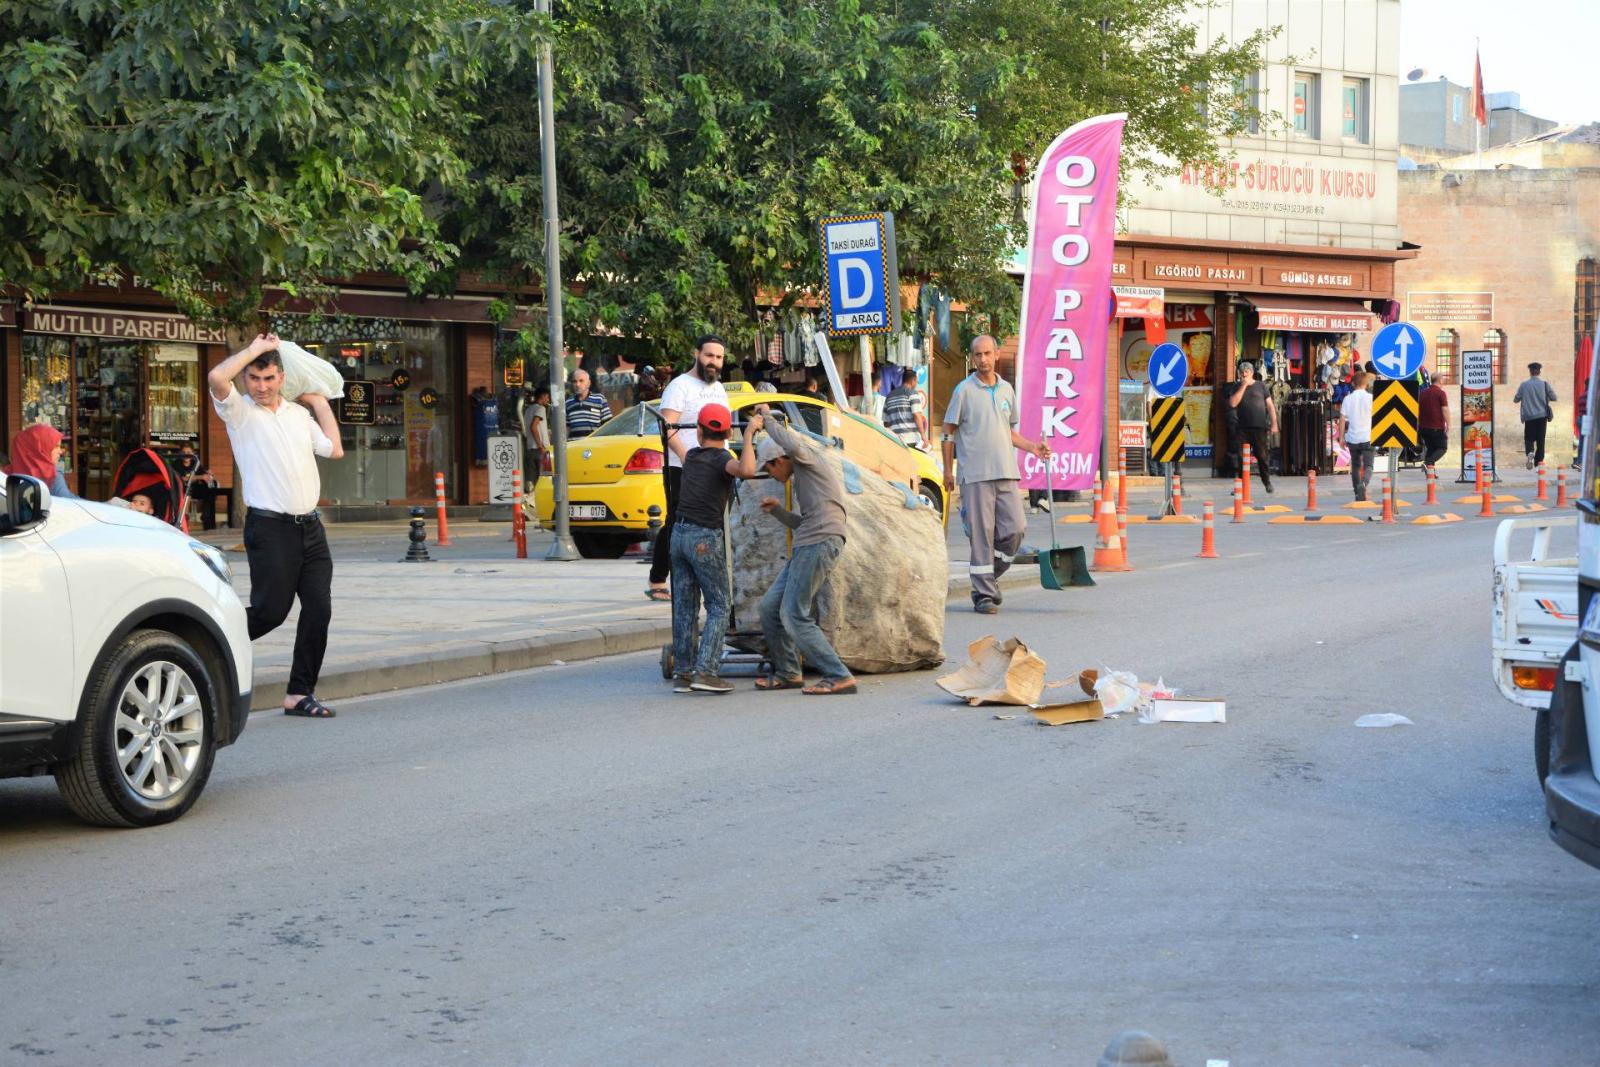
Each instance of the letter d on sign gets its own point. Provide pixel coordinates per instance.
(862, 269)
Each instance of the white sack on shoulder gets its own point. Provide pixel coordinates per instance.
(305, 373)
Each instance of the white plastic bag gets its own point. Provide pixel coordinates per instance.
(305, 373)
(1118, 691)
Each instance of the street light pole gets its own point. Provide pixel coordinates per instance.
(562, 548)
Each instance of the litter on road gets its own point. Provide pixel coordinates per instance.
(1387, 718)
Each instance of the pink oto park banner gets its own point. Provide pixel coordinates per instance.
(1066, 301)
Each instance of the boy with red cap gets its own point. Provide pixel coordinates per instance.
(699, 549)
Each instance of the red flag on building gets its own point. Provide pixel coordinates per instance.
(1480, 109)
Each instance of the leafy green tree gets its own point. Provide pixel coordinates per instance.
(216, 146)
(699, 141)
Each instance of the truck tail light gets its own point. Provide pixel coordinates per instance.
(643, 461)
(1534, 678)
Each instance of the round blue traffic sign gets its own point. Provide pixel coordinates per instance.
(1169, 369)
(1398, 349)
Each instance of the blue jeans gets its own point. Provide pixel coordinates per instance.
(789, 613)
(699, 568)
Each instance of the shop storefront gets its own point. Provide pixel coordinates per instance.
(409, 426)
(111, 380)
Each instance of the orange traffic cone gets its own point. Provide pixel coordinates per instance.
(1208, 533)
(1544, 485)
(1561, 487)
(1238, 502)
(1388, 500)
(1311, 489)
(1246, 453)
(1107, 547)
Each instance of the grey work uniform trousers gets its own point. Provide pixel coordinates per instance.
(995, 525)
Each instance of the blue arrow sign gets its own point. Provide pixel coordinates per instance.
(1169, 369)
(1398, 349)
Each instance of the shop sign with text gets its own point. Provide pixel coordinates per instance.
(119, 325)
(1315, 321)
(1450, 307)
(1477, 411)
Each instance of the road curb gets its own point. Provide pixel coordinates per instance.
(479, 659)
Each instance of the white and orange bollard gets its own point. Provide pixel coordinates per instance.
(1238, 501)
(1122, 480)
(1544, 485)
(1561, 487)
(1122, 538)
(443, 539)
(1433, 487)
(1487, 510)
(1311, 489)
(1245, 453)
(1388, 499)
(519, 522)
(1208, 533)
(1478, 480)
(1177, 493)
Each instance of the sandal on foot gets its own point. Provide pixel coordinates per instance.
(772, 682)
(311, 708)
(831, 687)
(660, 596)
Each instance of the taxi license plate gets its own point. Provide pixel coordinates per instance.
(586, 511)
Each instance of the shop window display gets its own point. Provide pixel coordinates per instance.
(413, 433)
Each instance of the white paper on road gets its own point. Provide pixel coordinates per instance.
(1387, 718)
(1194, 710)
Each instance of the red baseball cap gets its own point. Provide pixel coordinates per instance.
(716, 418)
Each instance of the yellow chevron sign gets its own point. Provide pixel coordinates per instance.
(1394, 415)
(1168, 429)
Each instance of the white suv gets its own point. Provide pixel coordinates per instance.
(124, 656)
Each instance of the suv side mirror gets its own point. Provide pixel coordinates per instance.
(27, 503)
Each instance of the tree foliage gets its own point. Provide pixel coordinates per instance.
(216, 146)
(699, 141)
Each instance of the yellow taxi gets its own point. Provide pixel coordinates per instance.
(614, 474)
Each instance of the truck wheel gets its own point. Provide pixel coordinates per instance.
(1541, 744)
(146, 742)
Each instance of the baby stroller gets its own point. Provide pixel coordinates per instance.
(146, 471)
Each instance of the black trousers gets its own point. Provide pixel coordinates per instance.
(290, 559)
(661, 555)
(1435, 444)
(1260, 453)
(1533, 438)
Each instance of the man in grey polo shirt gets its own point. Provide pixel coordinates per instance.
(980, 426)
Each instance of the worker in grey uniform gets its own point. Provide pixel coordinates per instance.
(980, 426)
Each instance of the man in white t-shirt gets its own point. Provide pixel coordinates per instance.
(275, 445)
(685, 395)
(1355, 429)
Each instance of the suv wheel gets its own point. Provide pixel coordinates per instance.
(601, 546)
(933, 495)
(146, 742)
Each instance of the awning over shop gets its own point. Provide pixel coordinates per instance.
(1313, 314)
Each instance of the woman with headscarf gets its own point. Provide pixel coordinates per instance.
(34, 452)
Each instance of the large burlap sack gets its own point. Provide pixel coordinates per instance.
(305, 373)
(883, 606)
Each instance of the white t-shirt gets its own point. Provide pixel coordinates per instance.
(687, 394)
(1357, 412)
(276, 451)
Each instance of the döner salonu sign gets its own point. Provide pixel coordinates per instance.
(119, 325)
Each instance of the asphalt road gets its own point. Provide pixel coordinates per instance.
(574, 866)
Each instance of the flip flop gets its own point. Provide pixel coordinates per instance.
(772, 683)
(831, 688)
(311, 708)
(660, 596)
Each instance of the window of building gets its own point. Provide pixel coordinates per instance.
(1353, 104)
(1585, 301)
(1307, 92)
(1446, 356)
(1457, 106)
(1494, 339)
(1248, 93)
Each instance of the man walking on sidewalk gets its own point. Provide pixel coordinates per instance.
(681, 402)
(1355, 429)
(789, 608)
(1433, 419)
(1534, 397)
(275, 444)
(981, 425)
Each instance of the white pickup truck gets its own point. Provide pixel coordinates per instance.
(1546, 650)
